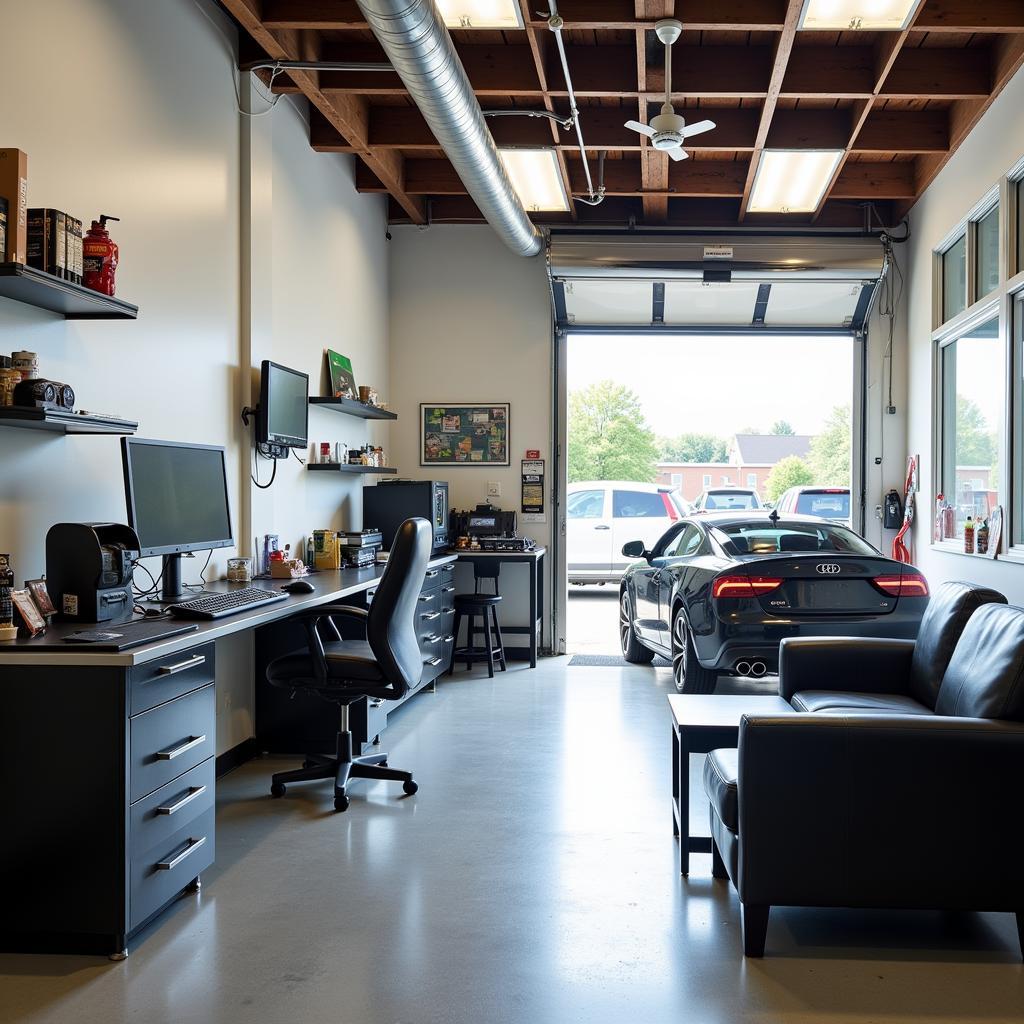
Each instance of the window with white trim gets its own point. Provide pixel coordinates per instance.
(752, 480)
(986, 253)
(954, 279)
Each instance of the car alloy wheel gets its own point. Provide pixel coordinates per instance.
(625, 621)
(680, 651)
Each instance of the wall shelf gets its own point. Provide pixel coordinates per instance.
(351, 407)
(344, 467)
(69, 300)
(60, 421)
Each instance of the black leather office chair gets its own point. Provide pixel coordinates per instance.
(386, 665)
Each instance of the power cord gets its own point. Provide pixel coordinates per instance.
(255, 479)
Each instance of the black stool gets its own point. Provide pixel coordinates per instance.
(484, 607)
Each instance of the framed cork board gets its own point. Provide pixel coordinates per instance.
(464, 435)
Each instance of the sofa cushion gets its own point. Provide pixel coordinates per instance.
(858, 703)
(985, 677)
(951, 606)
(721, 770)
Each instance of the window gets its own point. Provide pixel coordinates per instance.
(725, 478)
(638, 505)
(686, 543)
(748, 538)
(954, 279)
(585, 505)
(1018, 415)
(824, 504)
(986, 258)
(972, 375)
(706, 481)
(1020, 225)
(752, 480)
(729, 500)
(677, 480)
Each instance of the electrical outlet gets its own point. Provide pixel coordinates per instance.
(493, 488)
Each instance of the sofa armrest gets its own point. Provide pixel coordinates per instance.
(880, 811)
(844, 663)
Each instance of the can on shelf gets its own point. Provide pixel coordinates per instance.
(27, 363)
(9, 380)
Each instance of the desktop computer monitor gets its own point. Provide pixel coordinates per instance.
(283, 418)
(177, 496)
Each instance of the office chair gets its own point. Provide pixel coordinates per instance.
(386, 665)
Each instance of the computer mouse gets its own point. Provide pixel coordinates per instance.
(299, 587)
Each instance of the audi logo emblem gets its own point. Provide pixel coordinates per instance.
(828, 568)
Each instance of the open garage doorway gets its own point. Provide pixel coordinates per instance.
(658, 425)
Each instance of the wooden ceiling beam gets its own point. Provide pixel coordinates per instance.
(971, 16)
(348, 115)
(780, 62)
(653, 165)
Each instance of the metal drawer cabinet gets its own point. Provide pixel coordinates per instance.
(169, 740)
(162, 680)
(155, 818)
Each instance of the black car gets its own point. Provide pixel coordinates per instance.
(721, 589)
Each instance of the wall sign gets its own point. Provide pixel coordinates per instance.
(464, 435)
(533, 486)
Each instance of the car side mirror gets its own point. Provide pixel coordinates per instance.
(635, 549)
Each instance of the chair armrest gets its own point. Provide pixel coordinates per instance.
(311, 620)
(844, 663)
(879, 810)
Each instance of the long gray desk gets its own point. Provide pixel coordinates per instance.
(109, 760)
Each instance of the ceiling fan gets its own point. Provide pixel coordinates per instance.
(668, 130)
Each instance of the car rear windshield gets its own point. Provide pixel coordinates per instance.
(784, 538)
(827, 504)
(728, 500)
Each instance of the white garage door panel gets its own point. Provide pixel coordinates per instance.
(821, 304)
(693, 302)
(608, 302)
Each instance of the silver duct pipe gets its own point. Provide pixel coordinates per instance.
(418, 45)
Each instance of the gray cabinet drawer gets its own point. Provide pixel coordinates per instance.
(155, 818)
(376, 717)
(165, 868)
(432, 579)
(162, 680)
(172, 738)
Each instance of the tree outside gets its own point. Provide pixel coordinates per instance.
(782, 427)
(791, 471)
(693, 447)
(608, 436)
(830, 453)
(976, 444)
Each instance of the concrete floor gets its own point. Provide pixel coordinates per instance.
(532, 880)
(592, 620)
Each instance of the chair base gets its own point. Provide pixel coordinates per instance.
(343, 768)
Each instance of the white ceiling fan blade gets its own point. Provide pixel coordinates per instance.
(643, 129)
(678, 153)
(696, 129)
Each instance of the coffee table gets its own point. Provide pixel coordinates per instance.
(702, 723)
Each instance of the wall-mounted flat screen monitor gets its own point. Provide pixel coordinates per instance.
(284, 406)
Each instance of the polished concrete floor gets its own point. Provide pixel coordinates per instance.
(532, 880)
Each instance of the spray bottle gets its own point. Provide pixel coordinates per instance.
(99, 257)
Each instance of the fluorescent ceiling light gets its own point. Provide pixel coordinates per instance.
(883, 15)
(792, 180)
(480, 13)
(536, 178)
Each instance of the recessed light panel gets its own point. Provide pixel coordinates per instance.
(877, 15)
(536, 178)
(480, 13)
(792, 180)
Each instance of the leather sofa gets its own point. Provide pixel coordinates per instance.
(888, 786)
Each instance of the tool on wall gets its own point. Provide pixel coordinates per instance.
(901, 545)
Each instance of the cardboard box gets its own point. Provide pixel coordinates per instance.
(14, 188)
(326, 550)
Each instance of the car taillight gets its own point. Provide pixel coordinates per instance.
(744, 586)
(911, 584)
(669, 507)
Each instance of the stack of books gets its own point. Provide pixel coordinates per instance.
(360, 549)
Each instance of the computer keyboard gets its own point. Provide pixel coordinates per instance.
(216, 606)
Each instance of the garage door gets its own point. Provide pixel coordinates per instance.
(775, 284)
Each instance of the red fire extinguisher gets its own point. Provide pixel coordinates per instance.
(99, 257)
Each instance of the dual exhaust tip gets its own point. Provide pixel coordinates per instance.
(751, 668)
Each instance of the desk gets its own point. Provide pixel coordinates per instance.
(109, 759)
(534, 562)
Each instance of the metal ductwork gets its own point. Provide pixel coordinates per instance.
(419, 47)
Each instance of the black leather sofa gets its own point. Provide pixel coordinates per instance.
(893, 783)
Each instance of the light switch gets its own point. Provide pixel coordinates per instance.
(493, 488)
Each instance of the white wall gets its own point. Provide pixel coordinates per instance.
(992, 148)
(471, 322)
(151, 132)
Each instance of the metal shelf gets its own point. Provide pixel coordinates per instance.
(351, 407)
(344, 467)
(66, 299)
(60, 421)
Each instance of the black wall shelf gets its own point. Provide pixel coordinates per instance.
(60, 421)
(71, 301)
(353, 408)
(344, 467)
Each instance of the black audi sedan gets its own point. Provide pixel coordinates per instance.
(719, 591)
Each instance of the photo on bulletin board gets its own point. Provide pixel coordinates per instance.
(457, 435)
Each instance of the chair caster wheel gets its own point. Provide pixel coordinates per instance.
(341, 802)
(277, 789)
(410, 787)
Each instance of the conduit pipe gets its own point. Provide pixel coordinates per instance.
(421, 51)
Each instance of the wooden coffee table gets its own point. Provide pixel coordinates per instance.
(702, 723)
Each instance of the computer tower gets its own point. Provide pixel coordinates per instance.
(388, 504)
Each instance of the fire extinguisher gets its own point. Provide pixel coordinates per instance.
(99, 257)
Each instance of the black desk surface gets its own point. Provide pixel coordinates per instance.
(328, 587)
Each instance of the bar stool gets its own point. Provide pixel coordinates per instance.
(483, 606)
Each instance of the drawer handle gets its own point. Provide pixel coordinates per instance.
(448, 640)
(193, 792)
(429, 616)
(432, 573)
(432, 662)
(426, 597)
(182, 666)
(170, 755)
(449, 567)
(431, 638)
(447, 590)
(448, 611)
(376, 702)
(170, 865)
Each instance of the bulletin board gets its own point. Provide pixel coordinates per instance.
(464, 435)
